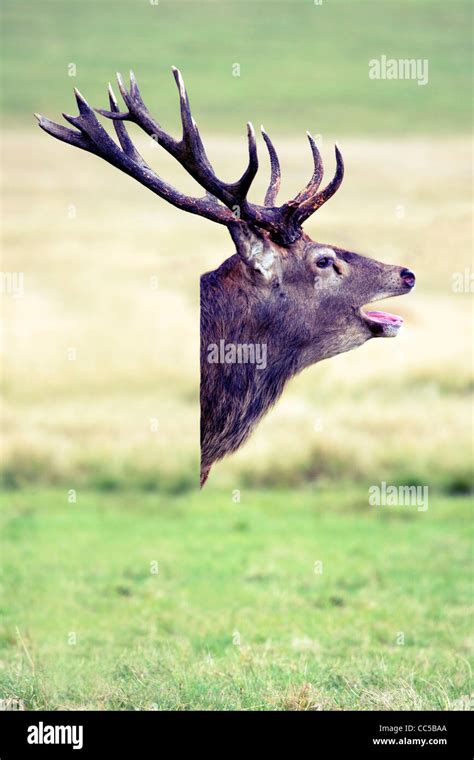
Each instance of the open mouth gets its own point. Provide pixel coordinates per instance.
(382, 323)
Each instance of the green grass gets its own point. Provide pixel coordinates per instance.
(301, 65)
(237, 617)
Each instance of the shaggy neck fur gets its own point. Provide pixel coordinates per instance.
(234, 396)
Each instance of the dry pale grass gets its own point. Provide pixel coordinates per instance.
(113, 271)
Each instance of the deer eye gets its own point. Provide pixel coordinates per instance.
(324, 262)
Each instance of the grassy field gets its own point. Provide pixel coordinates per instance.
(239, 614)
(302, 65)
(100, 373)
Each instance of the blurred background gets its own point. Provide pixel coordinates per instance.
(100, 348)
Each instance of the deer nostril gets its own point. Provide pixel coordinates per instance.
(408, 277)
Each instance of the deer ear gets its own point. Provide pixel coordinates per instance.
(254, 248)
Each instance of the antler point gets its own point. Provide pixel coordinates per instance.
(180, 83)
(82, 103)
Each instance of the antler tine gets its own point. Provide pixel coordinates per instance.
(316, 179)
(131, 97)
(315, 201)
(318, 172)
(275, 171)
(191, 142)
(64, 134)
(121, 131)
(239, 189)
(187, 120)
(134, 90)
(115, 113)
(228, 193)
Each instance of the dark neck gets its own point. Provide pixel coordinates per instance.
(243, 369)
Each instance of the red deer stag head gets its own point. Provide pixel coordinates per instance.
(283, 301)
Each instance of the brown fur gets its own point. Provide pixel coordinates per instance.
(301, 313)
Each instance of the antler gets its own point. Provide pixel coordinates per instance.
(189, 151)
(275, 172)
(225, 203)
(93, 138)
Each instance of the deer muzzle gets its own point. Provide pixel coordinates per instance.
(382, 324)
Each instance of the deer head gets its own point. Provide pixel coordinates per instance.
(282, 297)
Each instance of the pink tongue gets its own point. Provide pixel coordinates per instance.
(384, 317)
